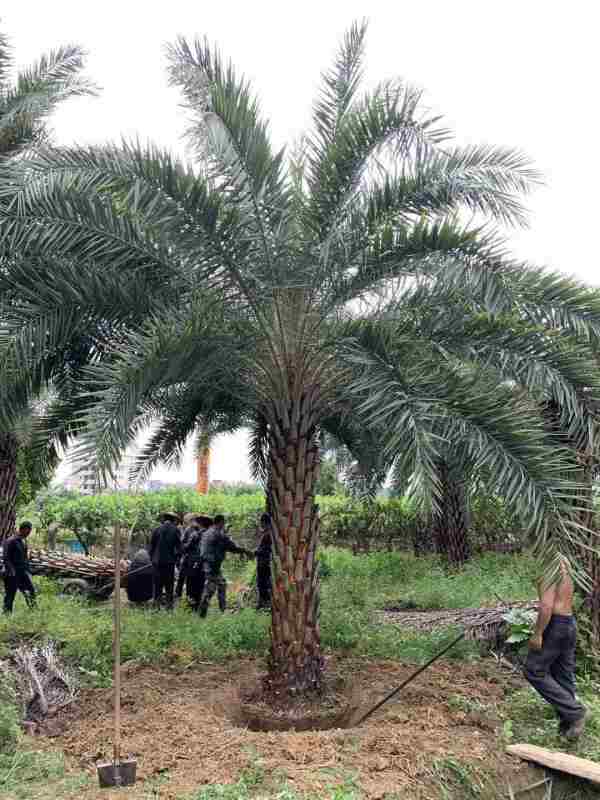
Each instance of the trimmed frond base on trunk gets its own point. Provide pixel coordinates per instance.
(295, 663)
(8, 484)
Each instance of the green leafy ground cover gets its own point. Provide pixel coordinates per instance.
(352, 587)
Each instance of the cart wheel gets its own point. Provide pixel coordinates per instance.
(76, 587)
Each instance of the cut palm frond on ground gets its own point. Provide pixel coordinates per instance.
(479, 623)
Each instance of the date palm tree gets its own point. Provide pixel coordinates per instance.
(271, 264)
(533, 359)
(27, 101)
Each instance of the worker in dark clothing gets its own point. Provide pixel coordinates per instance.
(195, 572)
(165, 549)
(140, 578)
(215, 545)
(263, 563)
(16, 566)
(184, 563)
(550, 666)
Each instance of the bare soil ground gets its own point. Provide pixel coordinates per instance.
(180, 724)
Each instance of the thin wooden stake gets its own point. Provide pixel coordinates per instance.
(117, 644)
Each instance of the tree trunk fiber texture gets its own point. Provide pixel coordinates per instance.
(451, 522)
(8, 484)
(296, 663)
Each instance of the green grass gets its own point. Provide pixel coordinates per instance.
(425, 583)
(529, 720)
(34, 775)
(354, 587)
(455, 779)
(84, 631)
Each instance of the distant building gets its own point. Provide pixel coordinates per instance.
(86, 482)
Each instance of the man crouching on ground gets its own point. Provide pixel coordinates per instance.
(550, 666)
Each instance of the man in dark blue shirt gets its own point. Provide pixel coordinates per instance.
(16, 569)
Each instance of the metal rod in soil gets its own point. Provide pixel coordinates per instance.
(411, 678)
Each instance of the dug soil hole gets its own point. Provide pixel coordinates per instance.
(180, 726)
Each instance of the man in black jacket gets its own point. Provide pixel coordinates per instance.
(184, 564)
(263, 563)
(140, 578)
(215, 545)
(16, 566)
(195, 571)
(165, 548)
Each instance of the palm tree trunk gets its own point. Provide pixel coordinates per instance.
(269, 494)
(295, 664)
(202, 471)
(451, 522)
(8, 484)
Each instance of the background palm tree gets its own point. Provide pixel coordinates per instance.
(264, 260)
(539, 361)
(27, 99)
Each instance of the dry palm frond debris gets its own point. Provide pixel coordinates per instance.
(479, 623)
(43, 684)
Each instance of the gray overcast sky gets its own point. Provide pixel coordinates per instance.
(512, 73)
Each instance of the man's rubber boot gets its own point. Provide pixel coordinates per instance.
(575, 730)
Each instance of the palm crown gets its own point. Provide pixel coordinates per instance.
(335, 288)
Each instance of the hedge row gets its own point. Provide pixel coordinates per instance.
(386, 523)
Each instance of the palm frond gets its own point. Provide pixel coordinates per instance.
(179, 413)
(368, 464)
(229, 132)
(170, 350)
(484, 180)
(39, 89)
(258, 450)
(57, 315)
(340, 84)
(6, 63)
(499, 430)
(389, 117)
(442, 250)
(557, 301)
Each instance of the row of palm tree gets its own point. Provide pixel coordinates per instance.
(331, 289)
(28, 97)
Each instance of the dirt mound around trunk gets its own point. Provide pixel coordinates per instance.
(332, 707)
(178, 724)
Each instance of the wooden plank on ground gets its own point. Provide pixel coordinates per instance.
(561, 762)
